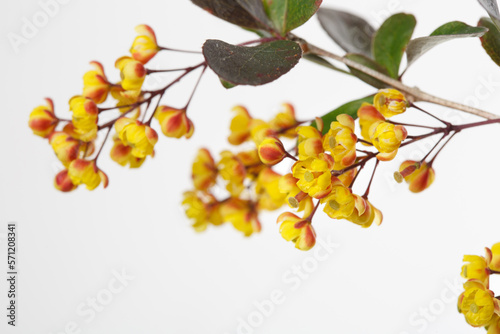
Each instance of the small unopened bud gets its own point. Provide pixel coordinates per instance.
(271, 151)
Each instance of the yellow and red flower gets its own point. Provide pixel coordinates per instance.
(419, 178)
(62, 182)
(341, 141)
(122, 154)
(478, 304)
(341, 202)
(204, 170)
(310, 143)
(390, 102)
(95, 84)
(365, 214)
(86, 172)
(132, 73)
(271, 151)
(495, 257)
(368, 115)
(387, 138)
(241, 126)
(42, 120)
(314, 175)
(233, 171)
(298, 230)
(476, 267)
(85, 116)
(174, 122)
(284, 122)
(65, 147)
(145, 46)
(137, 135)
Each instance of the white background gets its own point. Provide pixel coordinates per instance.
(378, 280)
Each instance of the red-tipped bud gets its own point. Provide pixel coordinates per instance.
(271, 151)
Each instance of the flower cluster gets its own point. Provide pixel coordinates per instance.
(74, 140)
(244, 185)
(326, 163)
(478, 303)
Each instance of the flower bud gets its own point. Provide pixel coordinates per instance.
(390, 102)
(140, 137)
(85, 116)
(144, 47)
(42, 120)
(419, 177)
(271, 151)
(86, 172)
(132, 73)
(174, 122)
(65, 147)
(62, 182)
(95, 84)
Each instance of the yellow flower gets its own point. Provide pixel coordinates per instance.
(65, 147)
(42, 120)
(420, 178)
(298, 230)
(478, 304)
(271, 151)
(174, 122)
(476, 268)
(340, 203)
(122, 154)
(341, 141)
(284, 122)
(86, 172)
(314, 175)
(241, 126)
(140, 137)
(85, 116)
(132, 73)
(267, 190)
(95, 84)
(368, 115)
(233, 171)
(495, 257)
(390, 102)
(203, 209)
(365, 214)
(310, 143)
(144, 47)
(241, 214)
(387, 138)
(204, 170)
(62, 182)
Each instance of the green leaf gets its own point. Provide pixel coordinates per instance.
(350, 108)
(390, 41)
(446, 32)
(491, 7)
(363, 60)
(352, 33)
(226, 84)
(287, 15)
(491, 40)
(230, 11)
(255, 65)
